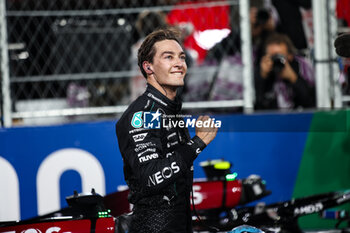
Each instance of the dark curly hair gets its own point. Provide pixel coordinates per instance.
(278, 38)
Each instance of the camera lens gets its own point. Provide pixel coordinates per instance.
(279, 62)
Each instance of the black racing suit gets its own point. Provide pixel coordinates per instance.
(158, 164)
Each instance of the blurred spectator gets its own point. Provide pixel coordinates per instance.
(342, 48)
(290, 20)
(222, 79)
(342, 44)
(77, 95)
(283, 80)
(147, 22)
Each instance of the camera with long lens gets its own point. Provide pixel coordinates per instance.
(279, 61)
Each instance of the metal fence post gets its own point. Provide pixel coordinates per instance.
(246, 42)
(4, 60)
(327, 89)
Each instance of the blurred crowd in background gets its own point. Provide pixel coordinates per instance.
(90, 60)
(282, 49)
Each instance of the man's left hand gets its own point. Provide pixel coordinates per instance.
(288, 73)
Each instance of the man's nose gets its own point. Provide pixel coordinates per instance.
(180, 62)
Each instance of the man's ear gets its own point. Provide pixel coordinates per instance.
(147, 67)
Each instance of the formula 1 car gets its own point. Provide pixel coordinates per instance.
(85, 214)
(215, 200)
(277, 217)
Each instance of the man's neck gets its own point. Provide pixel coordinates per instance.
(167, 91)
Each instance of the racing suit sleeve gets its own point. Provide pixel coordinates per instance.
(144, 154)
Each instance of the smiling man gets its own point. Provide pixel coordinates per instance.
(158, 160)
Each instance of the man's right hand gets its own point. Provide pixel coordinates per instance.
(207, 134)
(265, 66)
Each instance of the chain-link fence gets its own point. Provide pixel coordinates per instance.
(76, 60)
(71, 58)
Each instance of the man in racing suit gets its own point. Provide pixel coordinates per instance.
(158, 159)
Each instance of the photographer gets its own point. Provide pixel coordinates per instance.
(224, 80)
(283, 80)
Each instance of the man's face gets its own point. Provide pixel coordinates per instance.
(169, 66)
(273, 49)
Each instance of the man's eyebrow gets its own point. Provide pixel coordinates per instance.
(172, 53)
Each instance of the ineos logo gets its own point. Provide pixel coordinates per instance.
(166, 173)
